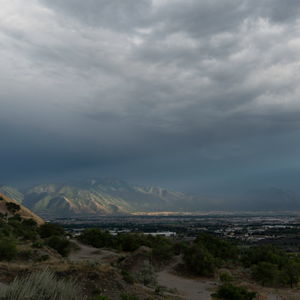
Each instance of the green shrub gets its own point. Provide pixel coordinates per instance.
(126, 296)
(16, 217)
(217, 247)
(18, 229)
(96, 237)
(146, 275)
(48, 229)
(127, 277)
(60, 244)
(265, 273)
(225, 277)
(290, 273)
(43, 257)
(159, 291)
(199, 261)
(231, 292)
(5, 230)
(163, 251)
(129, 242)
(8, 249)
(180, 247)
(38, 244)
(40, 286)
(265, 253)
(29, 223)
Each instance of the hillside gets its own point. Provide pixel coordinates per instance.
(99, 197)
(10, 207)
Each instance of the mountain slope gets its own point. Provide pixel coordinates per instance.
(65, 200)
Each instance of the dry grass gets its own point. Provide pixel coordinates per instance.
(39, 286)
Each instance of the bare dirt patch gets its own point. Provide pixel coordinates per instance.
(89, 253)
(186, 288)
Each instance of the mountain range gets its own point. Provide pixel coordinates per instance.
(99, 197)
(112, 196)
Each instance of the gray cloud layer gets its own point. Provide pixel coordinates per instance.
(196, 95)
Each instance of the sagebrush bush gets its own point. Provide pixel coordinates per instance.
(232, 292)
(126, 296)
(8, 249)
(40, 286)
(60, 244)
(48, 229)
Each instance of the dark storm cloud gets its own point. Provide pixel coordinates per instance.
(189, 94)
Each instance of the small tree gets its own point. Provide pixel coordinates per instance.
(265, 273)
(199, 261)
(163, 251)
(291, 272)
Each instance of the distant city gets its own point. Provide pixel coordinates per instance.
(281, 230)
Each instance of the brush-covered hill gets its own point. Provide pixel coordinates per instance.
(10, 207)
(99, 197)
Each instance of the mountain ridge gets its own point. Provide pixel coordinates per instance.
(106, 196)
(112, 196)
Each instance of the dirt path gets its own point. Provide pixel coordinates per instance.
(90, 253)
(189, 289)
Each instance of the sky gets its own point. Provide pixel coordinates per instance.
(200, 96)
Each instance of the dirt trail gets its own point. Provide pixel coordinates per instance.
(189, 289)
(90, 253)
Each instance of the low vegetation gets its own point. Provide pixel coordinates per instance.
(268, 265)
(16, 231)
(162, 248)
(272, 266)
(8, 249)
(40, 286)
